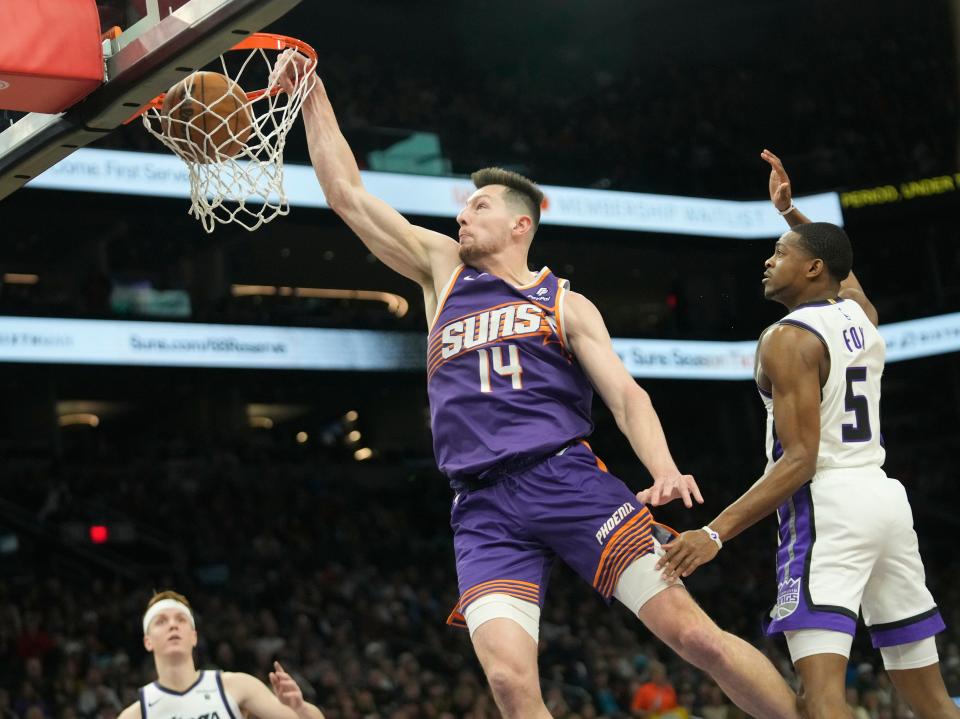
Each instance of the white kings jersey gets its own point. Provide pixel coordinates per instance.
(206, 699)
(850, 398)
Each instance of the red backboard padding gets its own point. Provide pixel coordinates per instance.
(50, 53)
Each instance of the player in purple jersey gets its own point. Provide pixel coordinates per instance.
(824, 460)
(513, 359)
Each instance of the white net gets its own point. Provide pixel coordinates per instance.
(231, 141)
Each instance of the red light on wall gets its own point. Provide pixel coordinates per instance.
(99, 534)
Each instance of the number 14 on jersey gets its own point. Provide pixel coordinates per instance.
(492, 358)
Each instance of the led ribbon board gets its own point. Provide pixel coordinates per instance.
(170, 344)
(137, 173)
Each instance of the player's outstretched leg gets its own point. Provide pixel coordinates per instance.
(924, 691)
(824, 692)
(508, 655)
(742, 672)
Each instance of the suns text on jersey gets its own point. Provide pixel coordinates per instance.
(514, 320)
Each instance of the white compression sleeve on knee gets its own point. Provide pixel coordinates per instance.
(640, 582)
(912, 655)
(503, 606)
(804, 643)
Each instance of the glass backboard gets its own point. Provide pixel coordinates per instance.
(159, 43)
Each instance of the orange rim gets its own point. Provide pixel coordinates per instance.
(256, 41)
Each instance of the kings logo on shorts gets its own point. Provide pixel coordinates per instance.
(788, 599)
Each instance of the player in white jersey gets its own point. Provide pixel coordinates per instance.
(847, 542)
(182, 692)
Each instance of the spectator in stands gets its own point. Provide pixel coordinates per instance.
(368, 639)
(656, 695)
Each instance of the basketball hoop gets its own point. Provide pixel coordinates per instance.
(235, 157)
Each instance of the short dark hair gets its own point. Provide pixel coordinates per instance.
(520, 190)
(829, 243)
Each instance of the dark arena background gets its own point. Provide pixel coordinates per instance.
(300, 508)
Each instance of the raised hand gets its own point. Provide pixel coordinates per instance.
(781, 193)
(286, 688)
(667, 488)
(291, 69)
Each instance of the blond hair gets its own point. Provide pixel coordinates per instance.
(167, 594)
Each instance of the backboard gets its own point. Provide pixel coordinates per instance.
(160, 42)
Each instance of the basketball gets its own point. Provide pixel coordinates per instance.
(206, 114)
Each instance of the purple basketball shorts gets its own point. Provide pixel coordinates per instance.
(507, 536)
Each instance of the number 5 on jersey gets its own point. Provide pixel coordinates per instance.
(859, 431)
(494, 357)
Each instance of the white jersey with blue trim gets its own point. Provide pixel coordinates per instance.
(850, 398)
(206, 699)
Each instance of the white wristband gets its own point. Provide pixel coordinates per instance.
(787, 211)
(713, 535)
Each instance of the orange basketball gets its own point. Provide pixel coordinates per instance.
(206, 115)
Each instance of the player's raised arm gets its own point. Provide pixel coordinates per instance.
(781, 195)
(630, 403)
(254, 698)
(781, 191)
(850, 289)
(415, 252)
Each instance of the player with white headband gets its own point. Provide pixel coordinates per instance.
(183, 692)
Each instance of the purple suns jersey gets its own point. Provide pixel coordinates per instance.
(503, 385)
